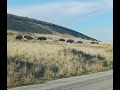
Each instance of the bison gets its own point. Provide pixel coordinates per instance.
(79, 42)
(61, 39)
(42, 38)
(28, 37)
(19, 37)
(70, 41)
(94, 43)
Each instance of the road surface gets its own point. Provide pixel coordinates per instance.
(95, 81)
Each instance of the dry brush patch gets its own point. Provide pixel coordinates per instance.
(31, 62)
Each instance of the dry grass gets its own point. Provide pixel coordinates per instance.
(35, 61)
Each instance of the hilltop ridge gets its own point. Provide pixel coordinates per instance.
(25, 24)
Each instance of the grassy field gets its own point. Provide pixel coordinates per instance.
(31, 62)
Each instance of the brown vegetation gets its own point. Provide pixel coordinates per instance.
(30, 62)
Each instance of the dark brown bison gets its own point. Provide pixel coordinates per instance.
(42, 38)
(28, 37)
(79, 42)
(94, 42)
(19, 37)
(61, 39)
(70, 41)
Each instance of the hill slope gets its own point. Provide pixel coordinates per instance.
(25, 24)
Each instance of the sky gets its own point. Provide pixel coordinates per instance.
(93, 18)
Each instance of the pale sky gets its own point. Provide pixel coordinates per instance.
(90, 17)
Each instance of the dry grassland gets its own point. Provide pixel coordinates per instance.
(30, 62)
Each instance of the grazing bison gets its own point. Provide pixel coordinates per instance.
(94, 43)
(79, 42)
(42, 38)
(97, 43)
(19, 37)
(70, 41)
(61, 39)
(28, 37)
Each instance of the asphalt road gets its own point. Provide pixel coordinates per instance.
(95, 81)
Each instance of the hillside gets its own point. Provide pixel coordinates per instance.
(38, 61)
(34, 61)
(25, 24)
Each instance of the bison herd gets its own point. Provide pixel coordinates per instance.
(19, 37)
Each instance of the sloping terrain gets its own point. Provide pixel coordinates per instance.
(25, 24)
(34, 61)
